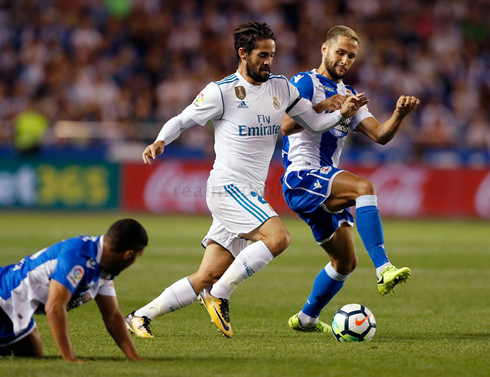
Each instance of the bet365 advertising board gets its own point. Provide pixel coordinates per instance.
(54, 184)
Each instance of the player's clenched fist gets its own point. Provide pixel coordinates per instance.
(406, 104)
(152, 151)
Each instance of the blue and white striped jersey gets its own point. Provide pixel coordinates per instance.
(305, 150)
(74, 263)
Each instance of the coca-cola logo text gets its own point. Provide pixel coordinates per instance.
(400, 190)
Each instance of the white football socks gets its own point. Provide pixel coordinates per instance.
(252, 259)
(380, 269)
(366, 201)
(334, 274)
(306, 321)
(178, 295)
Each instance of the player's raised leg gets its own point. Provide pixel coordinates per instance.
(329, 281)
(217, 261)
(240, 216)
(349, 189)
(182, 293)
(271, 239)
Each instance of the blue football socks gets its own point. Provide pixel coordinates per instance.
(370, 229)
(327, 283)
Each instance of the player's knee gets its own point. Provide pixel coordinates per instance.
(286, 240)
(28, 347)
(37, 352)
(365, 187)
(282, 241)
(279, 242)
(352, 264)
(345, 265)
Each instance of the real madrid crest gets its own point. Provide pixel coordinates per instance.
(276, 103)
(240, 92)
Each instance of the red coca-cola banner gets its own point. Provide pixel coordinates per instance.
(403, 191)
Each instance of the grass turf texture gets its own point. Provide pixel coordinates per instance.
(436, 325)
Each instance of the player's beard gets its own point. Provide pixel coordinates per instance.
(258, 75)
(330, 65)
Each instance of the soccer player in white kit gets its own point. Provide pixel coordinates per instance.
(320, 192)
(247, 109)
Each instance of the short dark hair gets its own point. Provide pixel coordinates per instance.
(126, 234)
(247, 34)
(342, 31)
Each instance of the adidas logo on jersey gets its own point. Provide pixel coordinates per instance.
(243, 105)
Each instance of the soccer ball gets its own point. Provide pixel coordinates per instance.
(353, 323)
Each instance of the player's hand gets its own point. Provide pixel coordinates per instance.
(152, 151)
(335, 102)
(353, 104)
(331, 103)
(406, 104)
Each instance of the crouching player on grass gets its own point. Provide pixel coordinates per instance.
(62, 277)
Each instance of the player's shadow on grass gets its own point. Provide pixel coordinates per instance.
(54, 357)
(480, 336)
(90, 359)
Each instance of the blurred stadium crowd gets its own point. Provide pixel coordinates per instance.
(143, 61)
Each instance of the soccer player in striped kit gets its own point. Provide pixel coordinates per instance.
(62, 277)
(320, 192)
(246, 109)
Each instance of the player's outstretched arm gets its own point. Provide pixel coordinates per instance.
(319, 123)
(55, 308)
(289, 126)
(169, 132)
(382, 133)
(114, 323)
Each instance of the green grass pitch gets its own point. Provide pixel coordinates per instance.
(436, 325)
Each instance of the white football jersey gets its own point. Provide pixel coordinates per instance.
(247, 120)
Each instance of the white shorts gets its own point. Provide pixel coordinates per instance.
(236, 209)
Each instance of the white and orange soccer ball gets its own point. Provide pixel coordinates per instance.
(353, 323)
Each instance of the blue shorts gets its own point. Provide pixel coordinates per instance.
(305, 193)
(7, 335)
